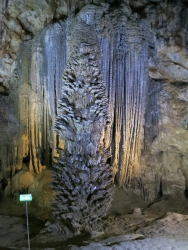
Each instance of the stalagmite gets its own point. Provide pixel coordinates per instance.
(83, 180)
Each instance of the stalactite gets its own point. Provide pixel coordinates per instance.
(135, 103)
(47, 61)
(30, 108)
(125, 60)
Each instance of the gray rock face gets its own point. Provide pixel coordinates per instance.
(15, 228)
(141, 52)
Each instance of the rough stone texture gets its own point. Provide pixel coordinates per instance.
(144, 69)
(11, 230)
(150, 243)
(83, 180)
(166, 141)
(124, 46)
(123, 228)
(28, 111)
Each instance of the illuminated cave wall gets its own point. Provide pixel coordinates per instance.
(32, 105)
(144, 69)
(125, 70)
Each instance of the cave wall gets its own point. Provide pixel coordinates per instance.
(144, 69)
(32, 107)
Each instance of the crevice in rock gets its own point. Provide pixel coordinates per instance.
(4, 91)
(4, 183)
(186, 193)
(160, 192)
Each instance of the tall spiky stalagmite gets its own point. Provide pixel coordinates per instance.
(82, 179)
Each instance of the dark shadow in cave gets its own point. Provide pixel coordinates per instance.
(3, 183)
(160, 192)
(115, 4)
(109, 160)
(186, 193)
(50, 159)
(26, 160)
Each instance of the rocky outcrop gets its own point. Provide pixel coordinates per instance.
(164, 158)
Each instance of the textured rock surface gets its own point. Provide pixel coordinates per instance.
(124, 46)
(154, 228)
(30, 108)
(11, 230)
(143, 46)
(83, 180)
(153, 243)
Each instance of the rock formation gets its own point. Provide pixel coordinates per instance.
(143, 63)
(83, 181)
(125, 70)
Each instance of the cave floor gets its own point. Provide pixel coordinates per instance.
(131, 223)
